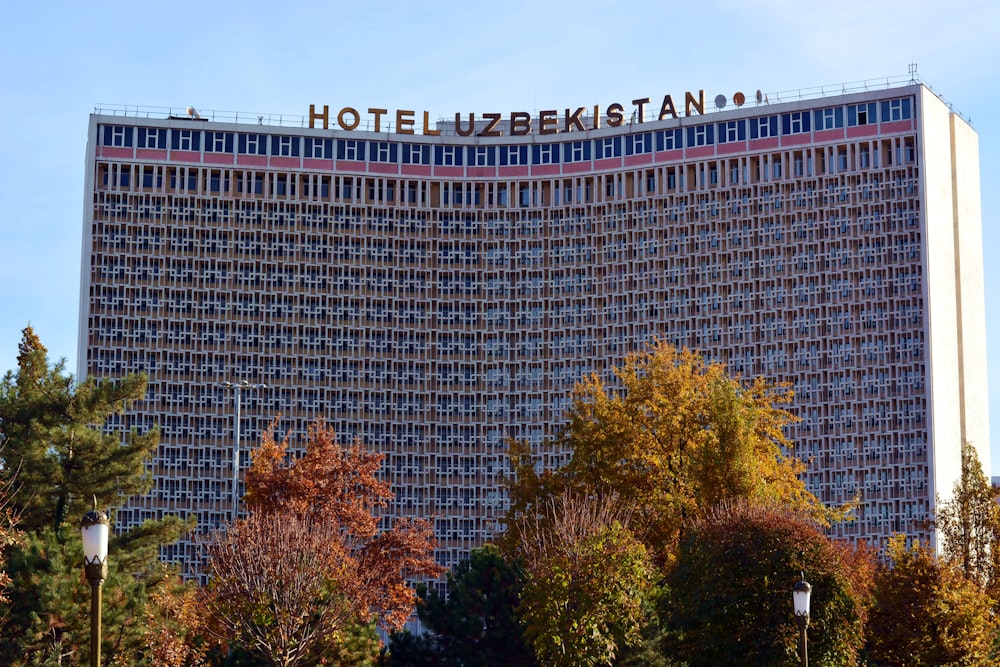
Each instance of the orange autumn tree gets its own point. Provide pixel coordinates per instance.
(332, 494)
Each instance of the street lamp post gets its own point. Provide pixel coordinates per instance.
(94, 528)
(800, 597)
(238, 388)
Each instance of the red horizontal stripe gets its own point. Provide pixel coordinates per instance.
(796, 139)
(383, 168)
(763, 144)
(608, 163)
(252, 160)
(514, 171)
(829, 135)
(218, 158)
(150, 154)
(185, 156)
(110, 151)
(545, 170)
(897, 126)
(576, 167)
(634, 160)
(415, 170)
(314, 163)
(862, 131)
(481, 172)
(732, 147)
(670, 156)
(700, 151)
(350, 165)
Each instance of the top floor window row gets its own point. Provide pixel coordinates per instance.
(637, 143)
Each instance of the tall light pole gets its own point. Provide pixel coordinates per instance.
(800, 598)
(238, 388)
(94, 528)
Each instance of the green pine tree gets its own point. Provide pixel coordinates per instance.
(64, 459)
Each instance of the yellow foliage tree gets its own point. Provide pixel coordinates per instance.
(675, 437)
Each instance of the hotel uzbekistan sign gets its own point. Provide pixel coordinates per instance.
(518, 123)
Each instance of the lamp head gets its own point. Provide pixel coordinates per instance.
(801, 593)
(95, 529)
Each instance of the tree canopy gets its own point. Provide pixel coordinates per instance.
(63, 458)
(308, 561)
(969, 525)
(588, 578)
(476, 623)
(927, 613)
(674, 437)
(729, 602)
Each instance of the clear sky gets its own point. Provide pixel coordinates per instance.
(58, 60)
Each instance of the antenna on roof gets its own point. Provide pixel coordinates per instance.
(913, 72)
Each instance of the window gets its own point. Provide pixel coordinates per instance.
(150, 138)
(513, 155)
(669, 140)
(319, 149)
(151, 176)
(796, 122)
(482, 156)
(763, 128)
(284, 146)
(185, 140)
(861, 114)
(416, 154)
(701, 135)
(253, 144)
(385, 151)
(545, 154)
(577, 151)
(448, 156)
(829, 119)
(734, 130)
(893, 110)
(637, 144)
(608, 147)
(350, 149)
(123, 175)
(116, 135)
(219, 142)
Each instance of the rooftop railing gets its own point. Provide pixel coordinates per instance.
(447, 123)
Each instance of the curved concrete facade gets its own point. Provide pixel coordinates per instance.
(437, 295)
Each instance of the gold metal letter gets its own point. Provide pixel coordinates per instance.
(378, 118)
(615, 115)
(574, 120)
(467, 132)
(548, 123)
(640, 104)
(667, 108)
(490, 129)
(352, 111)
(520, 123)
(325, 116)
(427, 125)
(699, 105)
(404, 121)
(597, 117)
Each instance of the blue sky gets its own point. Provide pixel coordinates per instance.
(60, 59)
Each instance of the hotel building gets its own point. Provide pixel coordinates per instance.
(437, 290)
